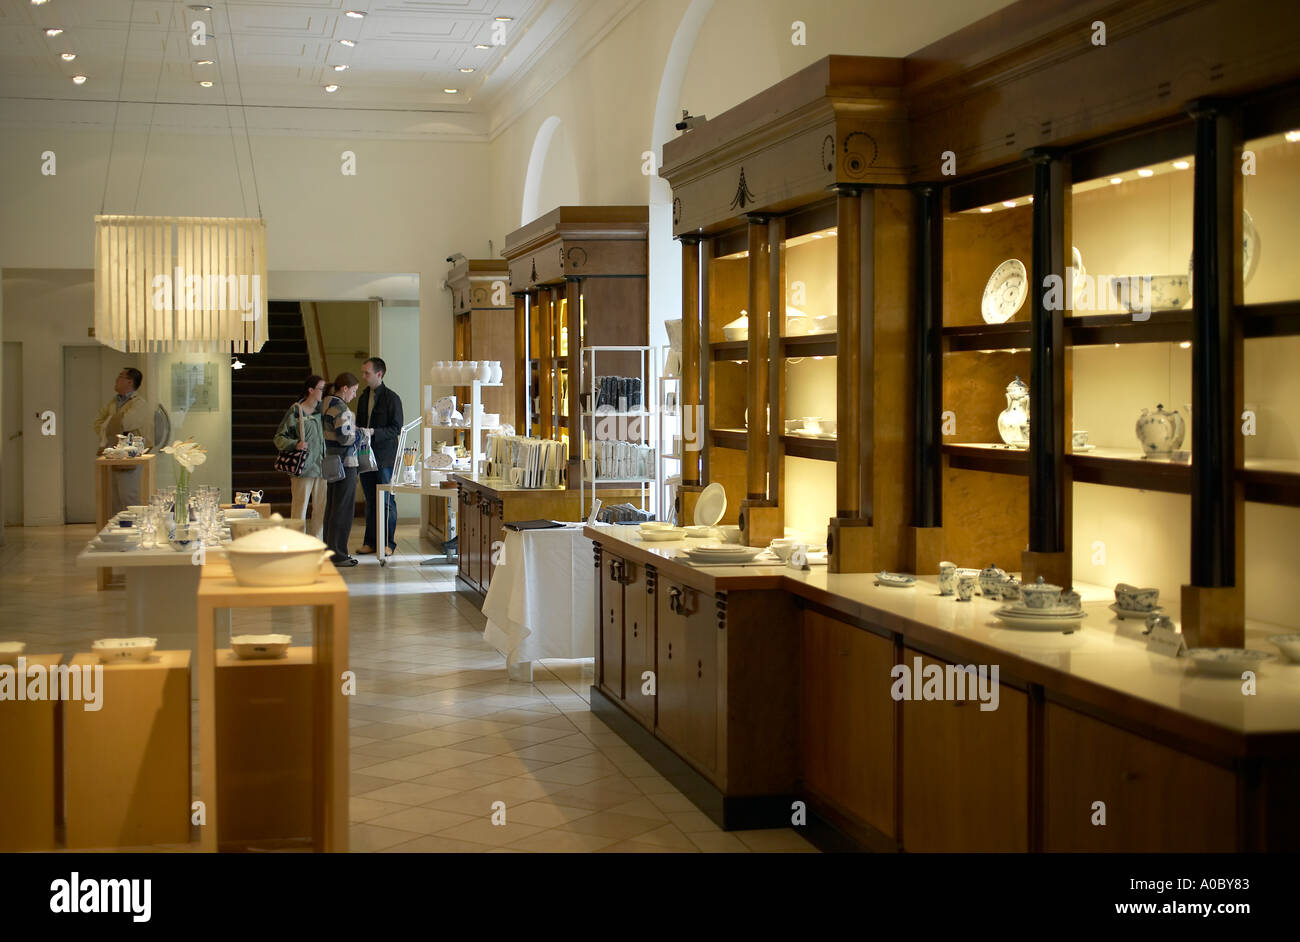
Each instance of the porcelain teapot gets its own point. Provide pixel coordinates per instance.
(1160, 432)
(992, 580)
(1013, 423)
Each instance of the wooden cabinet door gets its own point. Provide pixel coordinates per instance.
(484, 543)
(462, 533)
(687, 679)
(848, 720)
(496, 539)
(638, 642)
(610, 655)
(472, 517)
(965, 772)
(1155, 798)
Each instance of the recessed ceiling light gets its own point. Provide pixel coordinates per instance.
(54, 31)
(1008, 203)
(1181, 164)
(503, 19)
(79, 79)
(204, 62)
(67, 56)
(986, 209)
(486, 46)
(201, 7)
(467, 70)
(331, 88)
(39, 3)
(347, 42)
(1144, 172)
(451, 91)
(1293, 136)
(1116, 179)
(355, 14)
(206, 84)
(340, 68)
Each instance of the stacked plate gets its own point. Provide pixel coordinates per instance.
(657, 532)
(721, 554)
(1019, 615)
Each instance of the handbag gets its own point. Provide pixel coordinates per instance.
(331, 469)
(365, 456)
(291, 462)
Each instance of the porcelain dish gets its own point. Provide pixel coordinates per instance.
(276, 556)
(1134, 613)
(711, 506)
(1227, 662)
(1288, 645)
(1005, 292)
(663, 534)
(895, 580)
(1060, 622)
(117, 650)
(260, 647)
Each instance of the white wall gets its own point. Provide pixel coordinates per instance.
(399, 329)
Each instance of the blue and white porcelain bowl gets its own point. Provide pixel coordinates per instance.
(1040, 594)
(1227, 662)
(1288, 645)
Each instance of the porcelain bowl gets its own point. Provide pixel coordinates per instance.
(730, 533)
(289, 568)
(116, 536)
(1131, 598)
(11, 651)
(1040, 594)
(260, 647)
(1287, 644)
(737, 329)
(119, 650)
(1227, 662)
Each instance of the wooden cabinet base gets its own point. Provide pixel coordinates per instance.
(30, 786)
(1055, 568)
(850, 545)
(1214, 617)
(760, 523)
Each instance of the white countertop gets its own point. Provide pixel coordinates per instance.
(1104, 650)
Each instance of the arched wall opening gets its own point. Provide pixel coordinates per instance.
(552, 176)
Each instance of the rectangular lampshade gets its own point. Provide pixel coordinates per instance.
(180, 283)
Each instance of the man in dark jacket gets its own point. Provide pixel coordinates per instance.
(379, 413)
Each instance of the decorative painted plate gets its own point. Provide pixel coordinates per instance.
(1005, 292)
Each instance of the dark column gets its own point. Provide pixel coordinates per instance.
(927, 466)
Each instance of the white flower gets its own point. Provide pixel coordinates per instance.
(188, 454)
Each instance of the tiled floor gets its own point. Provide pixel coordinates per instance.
(439, 734)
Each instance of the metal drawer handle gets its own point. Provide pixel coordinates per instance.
(675, 600)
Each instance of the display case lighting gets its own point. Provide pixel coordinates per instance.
(451, 91)
(204, 62)
(1293, 136)
(1146, 172)
(467, 70)
(1181, 164)
(355, 14)
(1009, 204)
(986, 209)
(482, 46)
(340, 68)
(1115, 180)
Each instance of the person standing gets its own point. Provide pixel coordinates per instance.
(379, 414)
(339, 427)
(127, 413)
(301, 429)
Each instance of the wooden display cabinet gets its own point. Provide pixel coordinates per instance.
(579, 277)
(824, 282)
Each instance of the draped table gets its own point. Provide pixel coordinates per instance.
(541, 602)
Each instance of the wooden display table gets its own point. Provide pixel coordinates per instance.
(104, 469)
(30, 788)
(328, 598)
(127, 764)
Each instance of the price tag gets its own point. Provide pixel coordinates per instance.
(1166, 641)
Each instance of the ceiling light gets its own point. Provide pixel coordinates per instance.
(1144, 172)
(340, 68)
(816, 235)
(467, 70)
(1293, 136)
(206, 84)
(1181, 164)
(486, 46)
(68, 56)
(331, 88)
(986, 209)
(347, 42)
(1008, 203)
(54, 31)
(1116, 179)
(39, 3)
(503, 19)
(451, 91)
(201, 7)
(79, 79)
(1186, 344)
(204, 62)
(355, 14)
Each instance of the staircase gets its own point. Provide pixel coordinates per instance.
(260, 393)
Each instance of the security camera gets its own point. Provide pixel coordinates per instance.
(455, 258)
(689, 120)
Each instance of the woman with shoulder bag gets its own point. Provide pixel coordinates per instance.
(340, 467)
(300, 430)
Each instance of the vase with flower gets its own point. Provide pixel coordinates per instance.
(188, 455)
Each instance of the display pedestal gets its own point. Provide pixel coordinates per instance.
(850, 545)
(328, 599)
(761, 522)
(127, 764)
(30, 788)
(1055, 568)
(104, 470)
(1214, 617)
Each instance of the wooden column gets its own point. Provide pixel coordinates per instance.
(1049, 554)
(760, 521)
(1214, 605)
(689, 404)
(849, 537)
(545, 360)
(522, 373)
(775, 365)
(927, 436)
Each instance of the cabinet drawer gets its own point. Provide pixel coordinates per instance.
(638, 642)
(965, 772)
(1155, 798)
(610, 650)
(686, 648)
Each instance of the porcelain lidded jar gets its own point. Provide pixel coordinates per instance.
(991, 581)
(1013, 423)
(1160, 432)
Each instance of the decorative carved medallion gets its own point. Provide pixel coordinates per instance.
(478, 295)
(828, 153)
(862, 155)
(743, 195)
(577, 257)
(677, 210)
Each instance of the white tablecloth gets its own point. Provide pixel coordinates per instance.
(541, 602)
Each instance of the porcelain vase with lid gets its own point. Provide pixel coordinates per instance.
(1160, 432)
(1013, 423)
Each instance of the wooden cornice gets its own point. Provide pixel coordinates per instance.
(586, 223)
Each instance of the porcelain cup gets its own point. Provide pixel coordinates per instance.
(965, 588)
(947, 578)
(1079, 439)
(1135, 599)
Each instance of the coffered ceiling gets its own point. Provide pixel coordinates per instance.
(410, 65)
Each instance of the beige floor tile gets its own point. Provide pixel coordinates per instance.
(460, 779)
(672, 801)
(718, 842)
(641, 807)
(489, 746)
(435, 844)
(410, 793)
(423, 820)
(511, 765)
(669, 836)
(570, 775)
(361, 784)
(520, 788)
(775, 840)
(692, 822)
(367, 809)
(544, 814)
(434, 737)
(472, 803)
(364, 838)
(611, 824)
(654, 785)
(563, 841)
(633, 847)
(483, 831)
(388, 749)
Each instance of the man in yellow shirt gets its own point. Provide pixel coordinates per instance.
(127, 413)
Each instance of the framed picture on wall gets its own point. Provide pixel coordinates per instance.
(194, 387)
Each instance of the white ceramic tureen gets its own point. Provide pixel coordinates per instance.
(1160, 432)
(276, 556)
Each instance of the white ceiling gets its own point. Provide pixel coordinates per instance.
(278, 54)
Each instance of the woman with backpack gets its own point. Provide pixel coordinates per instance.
(300, 430)
(340, 428)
